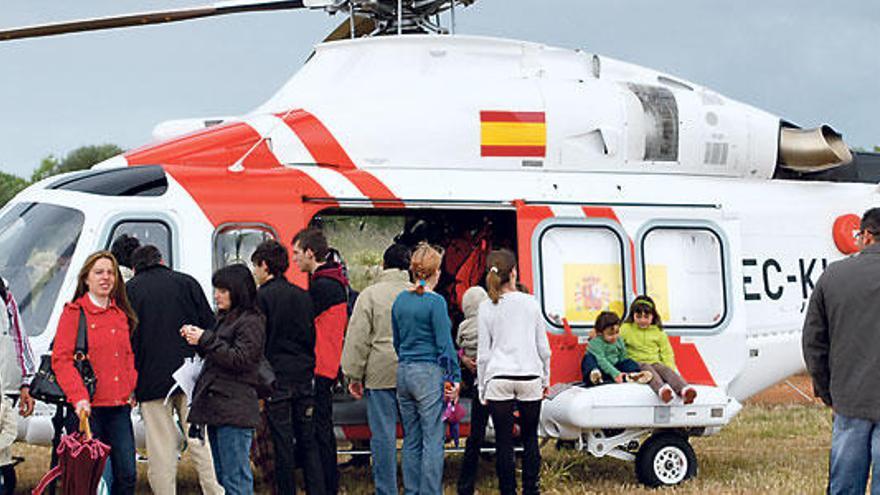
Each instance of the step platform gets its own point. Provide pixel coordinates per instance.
(571, 412)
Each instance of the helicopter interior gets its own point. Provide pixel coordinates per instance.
(465, 236)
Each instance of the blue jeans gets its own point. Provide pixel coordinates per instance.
(231, 449)
(382, 417)
(420, 394)
(855, 446)
(112, 425)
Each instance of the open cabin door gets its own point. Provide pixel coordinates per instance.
(581, 260)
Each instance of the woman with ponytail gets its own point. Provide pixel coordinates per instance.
(513, 369)
(423, 340)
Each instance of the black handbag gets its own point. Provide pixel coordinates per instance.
(45, 387)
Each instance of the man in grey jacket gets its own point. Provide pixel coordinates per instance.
(369, 360)
(841, 344)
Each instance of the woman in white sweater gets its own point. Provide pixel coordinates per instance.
(513, 369)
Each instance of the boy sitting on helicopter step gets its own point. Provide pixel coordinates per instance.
(606, 359)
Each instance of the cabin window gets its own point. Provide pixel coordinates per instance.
(235, 243)
(683, 271)
(153, 232)
(582, 272)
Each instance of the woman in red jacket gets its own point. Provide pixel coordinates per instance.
(100, 296)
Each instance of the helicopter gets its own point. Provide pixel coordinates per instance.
(608, 180)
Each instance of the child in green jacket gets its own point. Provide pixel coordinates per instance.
(606, 359)
(647, 343)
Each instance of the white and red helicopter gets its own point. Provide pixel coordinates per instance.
(608, 179)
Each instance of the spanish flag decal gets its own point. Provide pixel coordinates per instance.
(513, 134)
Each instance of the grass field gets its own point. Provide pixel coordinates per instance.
(777, 444)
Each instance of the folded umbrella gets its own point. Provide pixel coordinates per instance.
(81, 461)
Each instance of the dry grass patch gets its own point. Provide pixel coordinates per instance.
(766, 449)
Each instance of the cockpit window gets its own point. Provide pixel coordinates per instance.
(130, 181)
(36, 244)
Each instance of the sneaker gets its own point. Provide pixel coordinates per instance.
(665, 394)
(688, 395)
(595, 377)
(640, 377)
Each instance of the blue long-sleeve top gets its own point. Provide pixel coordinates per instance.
(422, 330)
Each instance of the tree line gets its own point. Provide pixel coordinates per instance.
(78, 159)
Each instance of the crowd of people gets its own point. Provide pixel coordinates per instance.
(273, 349)
(273, 346)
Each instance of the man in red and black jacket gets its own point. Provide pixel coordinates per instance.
(328, 288)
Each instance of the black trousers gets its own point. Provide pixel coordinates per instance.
(291, 414)
(7, 480)
(324, 436)
(505, 464)
(471, 462)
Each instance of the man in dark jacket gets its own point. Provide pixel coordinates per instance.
(164, 301)
(841, 344)
(328, 289)
(290, 349)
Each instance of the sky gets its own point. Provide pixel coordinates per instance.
(809, 61)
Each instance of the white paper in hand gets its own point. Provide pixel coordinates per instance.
(185, 378)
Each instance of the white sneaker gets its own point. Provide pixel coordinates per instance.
(640, 377)
(595, 376)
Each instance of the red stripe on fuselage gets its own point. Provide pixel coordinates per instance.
(264, 192)
(215, 147)
(327, 152)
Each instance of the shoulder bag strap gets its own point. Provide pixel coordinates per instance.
(82, 335)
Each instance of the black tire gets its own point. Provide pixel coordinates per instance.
(665, 459)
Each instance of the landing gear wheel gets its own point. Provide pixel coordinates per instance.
(665, 459)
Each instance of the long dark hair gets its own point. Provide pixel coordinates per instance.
(118, 294)
(237, 279)
(644, 304)
(500, 264)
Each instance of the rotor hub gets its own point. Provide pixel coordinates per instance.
(401, 16)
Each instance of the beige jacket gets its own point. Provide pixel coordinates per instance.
(368, 353)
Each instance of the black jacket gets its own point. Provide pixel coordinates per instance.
(225, 393)
(290, 330)
(164, 300)
(841, 338)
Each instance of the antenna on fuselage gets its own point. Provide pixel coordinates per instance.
(238, 166)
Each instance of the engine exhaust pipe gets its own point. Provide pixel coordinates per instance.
(812, 150)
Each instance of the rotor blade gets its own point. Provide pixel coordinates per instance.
(362, 26)
(156, 17)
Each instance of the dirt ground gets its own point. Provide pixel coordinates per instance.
(796, 389)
